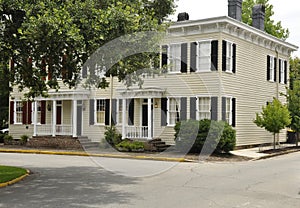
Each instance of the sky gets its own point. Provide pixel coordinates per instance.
(285, 11)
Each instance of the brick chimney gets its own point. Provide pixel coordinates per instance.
(183, 17)
(235, 9)
(258, 16)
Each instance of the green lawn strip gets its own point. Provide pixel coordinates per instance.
(8, 173)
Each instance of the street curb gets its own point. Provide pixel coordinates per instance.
(139, 157)
(16, 180)
(277, 154)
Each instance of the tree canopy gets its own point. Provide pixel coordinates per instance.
(60, 36)
(271, 27)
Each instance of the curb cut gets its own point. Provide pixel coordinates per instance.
(16, 180)
(139, 157)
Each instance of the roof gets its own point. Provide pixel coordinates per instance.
(234, 23)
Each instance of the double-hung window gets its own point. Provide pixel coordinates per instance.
(39, 111)
(203, 108)
(282, 71)
(100, 111)
(175, 57)
(271, 68)
(19, 112)
(229, 110)
(173, 110)
(228, 56)
(204, 56)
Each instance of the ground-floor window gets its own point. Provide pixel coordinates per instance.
(19, 112)
(100, 111)
(203, 108)
(173, 110)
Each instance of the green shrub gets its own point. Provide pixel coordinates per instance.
(128, 145)
(112, 136)
(24, 139)
(191, 135)
(8, 139)
(2, 138)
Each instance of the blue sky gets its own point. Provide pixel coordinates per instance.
(285, 11)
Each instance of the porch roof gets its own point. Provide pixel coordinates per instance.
(150, 92)
(66, 95)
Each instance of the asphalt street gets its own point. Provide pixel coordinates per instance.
(74, 181)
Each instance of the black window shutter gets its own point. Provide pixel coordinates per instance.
(275, 69)
(183, 108)
(214, 55)
(163, 111)
(233, 107)
(92, 110)
(131, 112)
(193, 108)
(285, 72)
(280, 70)
(84, 72)
(107, 101)
(24, 112)
(11, 112)
(224, 49)
(193, 61)
(268, 67)
(233, 58)
(114, 112)
(29, 112)
(214, 108)
(223, 108)
(164, 56)
(183, 57)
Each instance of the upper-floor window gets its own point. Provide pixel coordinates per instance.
(282, 71)
(271, 68)
(204, 56)
(228, 56)
(175, 58)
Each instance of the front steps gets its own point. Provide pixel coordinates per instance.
(88, 145)
(159, 145)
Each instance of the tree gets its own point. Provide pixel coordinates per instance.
(60, 36)
(271, 27)
(274, 117)
(293, 96)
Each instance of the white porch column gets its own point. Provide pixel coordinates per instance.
(54, 118)
(149, 118)
(123, 118)
(35, 119)
(74, 125)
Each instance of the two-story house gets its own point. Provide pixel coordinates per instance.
(217, 68)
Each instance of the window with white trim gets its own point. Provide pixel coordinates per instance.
(228, 111)
(19, 112)
(100, 111)
(175, 57)
(204, 56)
(173, 110)
(281, 71)
(39, 111)
(203, 108)
(271, 69)
(119, 111)
(229, 55)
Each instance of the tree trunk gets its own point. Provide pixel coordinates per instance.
(274, 141)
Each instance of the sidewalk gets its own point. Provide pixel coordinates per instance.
(171, 156)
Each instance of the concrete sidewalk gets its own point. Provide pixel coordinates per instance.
(251, 153)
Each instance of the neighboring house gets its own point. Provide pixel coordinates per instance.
(218, 68)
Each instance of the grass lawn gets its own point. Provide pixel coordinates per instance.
(9, 173)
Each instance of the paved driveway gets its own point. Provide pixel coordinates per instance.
(71, 181)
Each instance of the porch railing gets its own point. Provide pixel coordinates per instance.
(46, 129)
(136, 132)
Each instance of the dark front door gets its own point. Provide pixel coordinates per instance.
(58, 115)
(145, 115)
